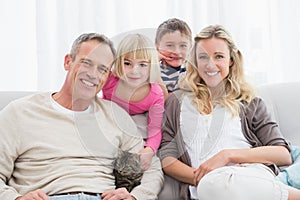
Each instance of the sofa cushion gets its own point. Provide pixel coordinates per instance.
(283, 101)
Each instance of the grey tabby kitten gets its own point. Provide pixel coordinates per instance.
(127, 170)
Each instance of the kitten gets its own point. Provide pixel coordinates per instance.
(127, 170)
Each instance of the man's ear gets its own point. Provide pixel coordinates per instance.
(67, 62)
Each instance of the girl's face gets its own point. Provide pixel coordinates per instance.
(136, 71)
(173, 48)
(213, 60)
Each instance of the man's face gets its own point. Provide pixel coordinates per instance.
(90, 69)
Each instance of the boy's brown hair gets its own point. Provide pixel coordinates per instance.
(172, 25)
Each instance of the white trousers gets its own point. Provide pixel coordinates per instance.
(243, 182)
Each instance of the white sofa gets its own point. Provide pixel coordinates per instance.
(281, 98)
(8, 96)
(283, 102)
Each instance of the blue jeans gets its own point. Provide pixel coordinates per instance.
(75, 197)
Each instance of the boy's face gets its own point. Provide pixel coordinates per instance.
(173, 48)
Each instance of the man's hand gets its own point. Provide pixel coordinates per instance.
(118, 194)
(34, 195)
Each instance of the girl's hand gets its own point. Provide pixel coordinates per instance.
(221, 159)
(146, 155)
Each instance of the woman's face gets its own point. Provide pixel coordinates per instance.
(213, 60)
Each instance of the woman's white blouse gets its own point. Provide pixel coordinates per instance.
(195, 130)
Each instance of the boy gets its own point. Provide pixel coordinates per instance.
(173, 42)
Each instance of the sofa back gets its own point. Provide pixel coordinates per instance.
(282, 100)
(8, 96)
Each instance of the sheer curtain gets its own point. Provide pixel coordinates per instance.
(36, 34)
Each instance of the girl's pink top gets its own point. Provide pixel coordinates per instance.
(153, 103)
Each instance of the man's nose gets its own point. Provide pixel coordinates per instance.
(92, 72)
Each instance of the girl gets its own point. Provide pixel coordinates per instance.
(135, 85)
(219, 141)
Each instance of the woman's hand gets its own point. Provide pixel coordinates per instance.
(219, 160)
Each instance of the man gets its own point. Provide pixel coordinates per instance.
(62, 145)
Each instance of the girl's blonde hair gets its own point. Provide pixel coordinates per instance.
(236, 89)
(138, 46)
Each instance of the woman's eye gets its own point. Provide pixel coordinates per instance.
(219, 56)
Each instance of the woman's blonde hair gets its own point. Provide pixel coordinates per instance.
(235, 87)
(138, 46)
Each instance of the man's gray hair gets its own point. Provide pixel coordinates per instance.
(91, 36)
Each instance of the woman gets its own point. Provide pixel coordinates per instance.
(219, 141)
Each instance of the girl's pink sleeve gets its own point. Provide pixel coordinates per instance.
(109, 86)
(155, 117)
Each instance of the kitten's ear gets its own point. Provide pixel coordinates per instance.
(138, 156)
(120, 152)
